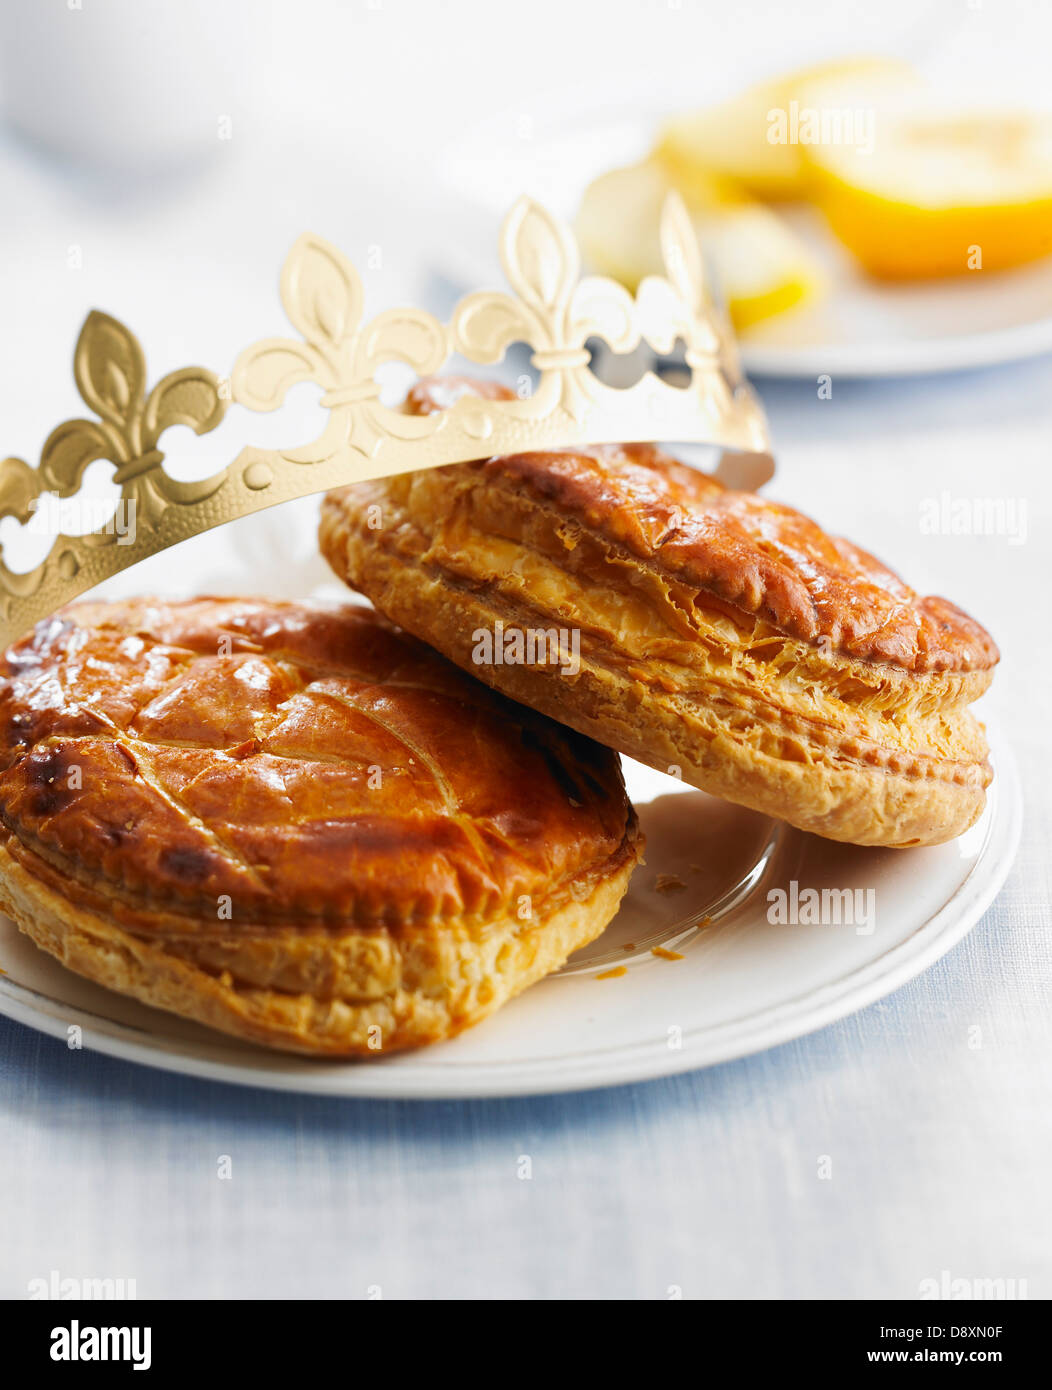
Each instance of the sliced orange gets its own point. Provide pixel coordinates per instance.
(942, 192)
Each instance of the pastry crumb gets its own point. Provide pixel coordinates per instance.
(666, 954)
(669, 883)
(614, 974)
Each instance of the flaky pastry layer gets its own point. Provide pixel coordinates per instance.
(720, 635)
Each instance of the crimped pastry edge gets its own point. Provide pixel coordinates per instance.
(508, 958)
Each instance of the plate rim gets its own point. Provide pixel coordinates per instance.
(396, 1079)
(909, 358)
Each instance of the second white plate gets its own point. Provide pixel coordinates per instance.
(861, 329)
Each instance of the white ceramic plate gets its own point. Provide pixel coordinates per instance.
(862, 329)
(743, 983)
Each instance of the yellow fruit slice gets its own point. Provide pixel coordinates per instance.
(756, 138)
(761, 268)
(942, 193)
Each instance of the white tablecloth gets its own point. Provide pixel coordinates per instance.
(712, 1183)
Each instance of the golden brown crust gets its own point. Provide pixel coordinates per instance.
(295, 823)
(764, 560)
(720, 633)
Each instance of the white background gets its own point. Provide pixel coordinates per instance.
(708, 1182)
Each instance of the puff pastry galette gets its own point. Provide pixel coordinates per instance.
(294, 824)
(721, 636)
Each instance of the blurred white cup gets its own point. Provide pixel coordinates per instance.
(124, 84)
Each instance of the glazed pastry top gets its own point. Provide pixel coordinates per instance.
(312, 764)
(763, 560)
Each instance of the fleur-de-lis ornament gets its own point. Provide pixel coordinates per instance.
(110, 373)
(323, 299)
(553, 310)
(549, 308)
(680, 306)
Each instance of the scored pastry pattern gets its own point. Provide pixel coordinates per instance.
(164, 708)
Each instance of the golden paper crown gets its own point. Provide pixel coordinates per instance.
(551, 309)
